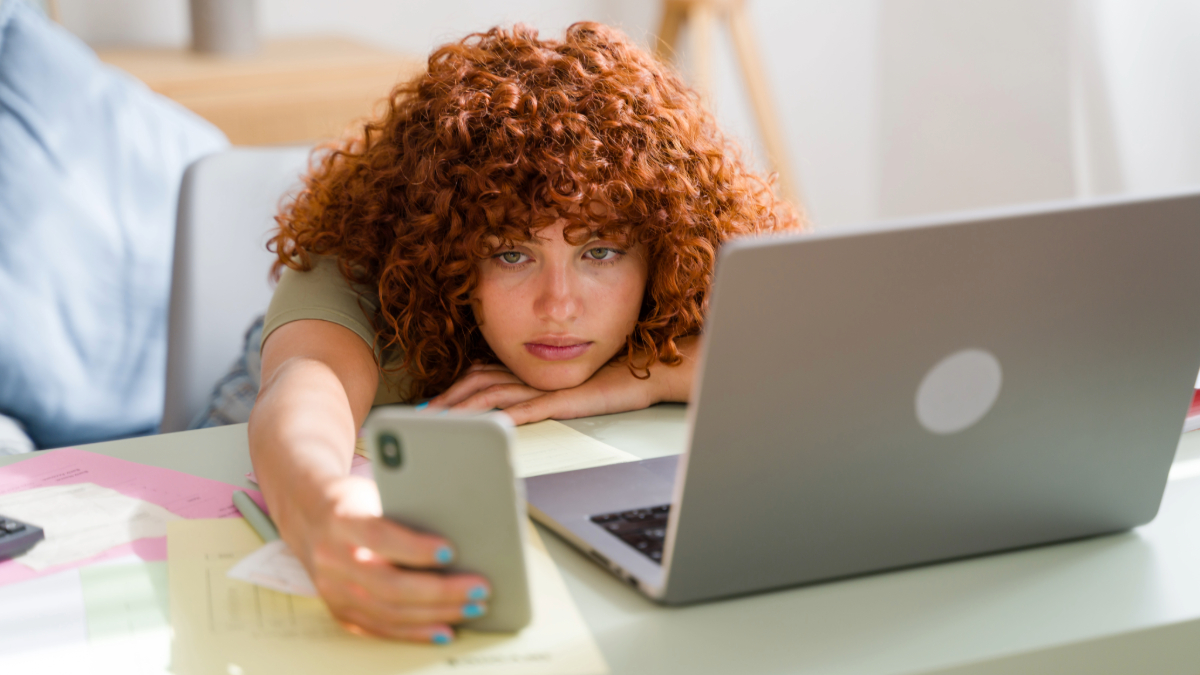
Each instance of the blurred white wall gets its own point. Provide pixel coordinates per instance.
(1149, 53)
(892, 107)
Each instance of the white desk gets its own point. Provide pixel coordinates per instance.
(1119, 604)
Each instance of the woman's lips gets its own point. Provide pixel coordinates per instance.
(547, 352)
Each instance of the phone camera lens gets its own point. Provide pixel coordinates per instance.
(389, 450)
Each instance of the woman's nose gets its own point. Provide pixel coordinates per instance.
(558, 300)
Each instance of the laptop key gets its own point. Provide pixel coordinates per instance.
(643, 529)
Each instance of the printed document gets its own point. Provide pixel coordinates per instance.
(225, 625)
(553, 447)
(131, 499)
(106, 618)
(274, 566)
(82, 521)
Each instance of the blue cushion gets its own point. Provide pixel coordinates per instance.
(90, 165)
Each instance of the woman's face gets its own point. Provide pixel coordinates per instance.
(555, 313)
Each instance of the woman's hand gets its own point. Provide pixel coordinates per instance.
(611, 389)
(352, 554)
(319, 379)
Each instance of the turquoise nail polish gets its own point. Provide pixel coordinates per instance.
(441, 639)
(479, 592)
(473, 610)
(444, 555)
(422, 406)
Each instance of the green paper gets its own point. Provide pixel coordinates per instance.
(126, 599)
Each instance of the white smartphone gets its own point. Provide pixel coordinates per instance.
(452, 475)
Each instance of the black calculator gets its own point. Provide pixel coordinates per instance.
(17, 537)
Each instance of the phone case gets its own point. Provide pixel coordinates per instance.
(452, 475)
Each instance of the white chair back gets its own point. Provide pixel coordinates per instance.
(220, 279)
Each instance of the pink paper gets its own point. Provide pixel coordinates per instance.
(183, 494)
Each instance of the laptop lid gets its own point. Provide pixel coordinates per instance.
(935, 390)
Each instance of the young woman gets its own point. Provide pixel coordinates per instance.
(530, 226)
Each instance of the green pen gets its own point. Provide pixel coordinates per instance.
(260, 521)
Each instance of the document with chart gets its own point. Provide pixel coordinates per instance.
(226, 625)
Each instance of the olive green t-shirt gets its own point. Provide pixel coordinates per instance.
(323, 293)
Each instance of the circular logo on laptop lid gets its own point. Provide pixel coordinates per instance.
(958, 391)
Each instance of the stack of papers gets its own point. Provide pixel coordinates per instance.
(85, 520)
(93, 598)
(226, 625)
(110, 617)
(94, 507)
(84, 600)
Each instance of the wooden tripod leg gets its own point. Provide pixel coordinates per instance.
(702, 20)
(760, 99)
(674, 14)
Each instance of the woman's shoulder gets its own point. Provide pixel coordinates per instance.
(322, 292)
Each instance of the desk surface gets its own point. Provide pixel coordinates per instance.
(1116, 604)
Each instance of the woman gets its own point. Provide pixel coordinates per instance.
(530, 226)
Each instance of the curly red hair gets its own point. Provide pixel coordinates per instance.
(501, 134)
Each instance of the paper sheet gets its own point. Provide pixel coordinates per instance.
(110, 617)
(124, 599)
(274, 566)
(224, 625)
(182, 494)
(128, 620)
(41, 614)
(82, 521)
(553, 447)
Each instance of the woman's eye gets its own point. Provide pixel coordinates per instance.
(602, 253)
(511, 257)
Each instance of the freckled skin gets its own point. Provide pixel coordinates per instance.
(543, 300)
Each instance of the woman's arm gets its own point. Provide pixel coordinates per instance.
(319, 380)
(611, 389)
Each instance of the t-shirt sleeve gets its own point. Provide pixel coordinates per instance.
(321, 293)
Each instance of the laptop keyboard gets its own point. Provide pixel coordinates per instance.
(644, 529)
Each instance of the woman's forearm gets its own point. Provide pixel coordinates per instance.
(318, 382)
(302, 433)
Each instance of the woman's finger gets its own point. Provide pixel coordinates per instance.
(498, 396)
(362, 623)
(560, 405)
(470, 384)
(389, 585)
(407, 614)
(611, 389)
(395, 543)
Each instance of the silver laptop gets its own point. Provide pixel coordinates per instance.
(921, 392)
